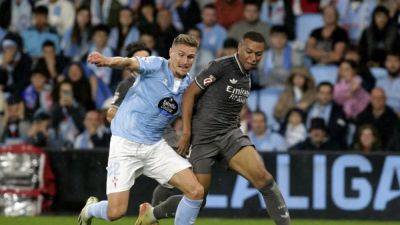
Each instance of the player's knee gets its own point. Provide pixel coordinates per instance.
(115, 213)
(196, 192)
(261, 178)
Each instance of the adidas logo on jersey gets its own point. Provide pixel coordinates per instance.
(233, 81)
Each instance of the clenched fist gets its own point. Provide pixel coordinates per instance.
(97, 59)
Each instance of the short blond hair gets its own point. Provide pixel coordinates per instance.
(185, 39)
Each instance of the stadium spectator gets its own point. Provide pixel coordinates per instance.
(105, 12)
(326, 45)
(2, 33)
(278, 60)
(379, 115)
(81, 86)
(15, 66)
(348, 92)
(100, 39)
(125, 33)
(147, 18)
(391, 5)
(148, 40)
(15, 15)
(67, 115)
(394, 142)
(333, 115)
(185, 14)
(263, 139)
(213, 33)
(75, 42)
(14, 125)
(250, 22)
(318, 138)
(41, 133)
(35, 36)
(294, 129)
(50, 62)
(378, 39)
(95, 134)
(61, 14)
(229, 47)
(2, 103)
(37, 96)
(165, 32)
(203, 56)
(368, 80)
(229, 12)
(391, 83)
(299, 92)
(367, 139)
(278, 13)
(355, 16)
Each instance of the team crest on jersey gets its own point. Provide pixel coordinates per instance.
(210, 79)
(168, 106)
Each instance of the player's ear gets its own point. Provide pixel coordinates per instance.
(170, 52)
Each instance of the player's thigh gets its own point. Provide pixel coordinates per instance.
(205, 180)
(123, 165)
(162, 163)
(248, 163)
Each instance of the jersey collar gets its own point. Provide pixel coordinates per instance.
(240, 65)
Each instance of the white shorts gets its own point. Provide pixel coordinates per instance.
(128, 160)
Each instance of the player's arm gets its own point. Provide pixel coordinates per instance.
(114, 62)
(189, 98)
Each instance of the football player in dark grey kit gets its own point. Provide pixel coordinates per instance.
(211, 107)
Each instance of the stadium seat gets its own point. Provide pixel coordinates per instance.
(305, 24)
(265, 99)
(322, 73)
(378, 72)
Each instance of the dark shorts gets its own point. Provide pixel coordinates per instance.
(222, 149)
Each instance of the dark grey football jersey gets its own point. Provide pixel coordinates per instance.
(226, 87)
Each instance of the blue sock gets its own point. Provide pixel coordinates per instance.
(187, 211)
(98, 210)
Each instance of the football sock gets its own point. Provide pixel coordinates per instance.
(162, 193)
(187, 211)
(276, 206)
(167, 208)
(98, 210)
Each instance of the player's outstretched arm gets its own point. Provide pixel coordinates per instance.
(113, 62)
(189, 98)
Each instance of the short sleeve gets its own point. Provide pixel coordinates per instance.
(148, 65)
(209, 75)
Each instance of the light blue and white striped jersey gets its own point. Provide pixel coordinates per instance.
(150, 104)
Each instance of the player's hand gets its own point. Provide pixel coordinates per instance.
(97, 59)
(183, 144)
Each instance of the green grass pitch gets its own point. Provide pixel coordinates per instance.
(63, 220)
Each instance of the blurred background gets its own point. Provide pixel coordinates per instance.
(323, 112)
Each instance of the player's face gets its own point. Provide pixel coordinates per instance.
(250, 53)
(181, 59)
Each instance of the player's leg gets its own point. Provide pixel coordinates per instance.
(122, 170)
(248, 163)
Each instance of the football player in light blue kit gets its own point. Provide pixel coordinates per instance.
(137, 146)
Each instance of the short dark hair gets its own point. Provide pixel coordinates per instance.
(196, 29)
(394, 54)
(279, 29)
(254, 36)
(324, 83)
(230, 43)
(352, 63)
(101, 27)
(209, 6)
(43, 10)
(258, 6)
(132, 48)
(48, 43)
(185, 39)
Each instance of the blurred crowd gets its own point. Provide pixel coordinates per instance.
(329, 79)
